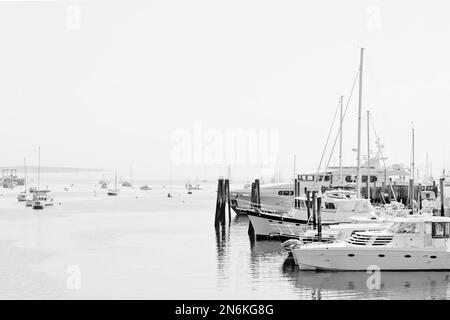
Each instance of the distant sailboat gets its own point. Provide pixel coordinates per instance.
(115, 191)
(38, 203)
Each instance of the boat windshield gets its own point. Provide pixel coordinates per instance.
(405, 227)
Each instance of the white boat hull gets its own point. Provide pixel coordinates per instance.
(368, 258)
(266, 226)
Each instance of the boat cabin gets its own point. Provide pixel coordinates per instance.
(342, 203)
(420, 231)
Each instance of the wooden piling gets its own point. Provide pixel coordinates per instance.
(227, 198)
(319, 219)
(219, 203)
(368, 188)
(411, 195)
(251, 230)
(296, 193)
(252, 195)
(308, 204)
(314, 205)
(419, 196)
(441, 187)
(257, 194)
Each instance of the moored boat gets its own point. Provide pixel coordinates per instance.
(410, 243)
(115, 191)
(334, 209)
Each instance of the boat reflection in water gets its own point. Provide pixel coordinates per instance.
(369, 285)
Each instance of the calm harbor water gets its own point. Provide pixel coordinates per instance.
(144, 245)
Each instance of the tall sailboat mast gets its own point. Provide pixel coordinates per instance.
(340, 141)
(358, 170)
(368, 155)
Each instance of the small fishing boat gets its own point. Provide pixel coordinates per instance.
(129, 183)
(21, 197)
(410, 243)
(126, 184)
(38, 205)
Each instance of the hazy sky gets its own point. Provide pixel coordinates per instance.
(112, 88)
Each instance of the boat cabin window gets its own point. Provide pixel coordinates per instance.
(305, 177)
(405, 227)
(440, 230)
(350, 179)
(329, 205)
(427, 195)
(285, 193)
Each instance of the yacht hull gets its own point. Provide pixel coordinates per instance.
(273, 225)
(371, 258)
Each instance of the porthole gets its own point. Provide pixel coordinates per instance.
(381, 255)
(351, 255)
(280, 222)
(433, 257)
(407, 256)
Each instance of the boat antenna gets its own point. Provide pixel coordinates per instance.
(358, 170)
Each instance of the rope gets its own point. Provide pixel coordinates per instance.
(326, 144)
(343, 117)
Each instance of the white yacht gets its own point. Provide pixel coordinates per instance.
(410, 243)
(41, 199)
(337, 206)
(275, 197)
(279, 197)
